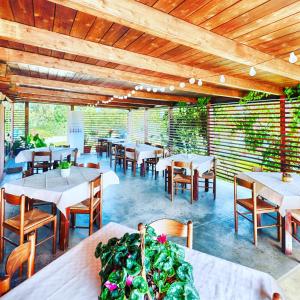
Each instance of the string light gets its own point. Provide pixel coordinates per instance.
(148, 89)
(172, 88)
(182, 85)
(162, 89)
(154, 90)
(132, 92)
(252, 71)
(129, 95)
(293, 58)
(136, 87)
(192, 80)
(222, 78)
(141, 87)
(200, 82)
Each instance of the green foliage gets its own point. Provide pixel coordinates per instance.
(168, 275)
(253, 96)
(64, 165)
(33, 141)
(292, 93)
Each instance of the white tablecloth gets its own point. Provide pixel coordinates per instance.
(200, 162)
(143, 151)
(64, 192)
(114, 140)
(75, 276)
(270, 186)
(58, 153)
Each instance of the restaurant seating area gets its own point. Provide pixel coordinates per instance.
(149, 150)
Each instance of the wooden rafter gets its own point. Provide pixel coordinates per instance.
(152, 21)
(15, 56)
(92, 89)
(58, 42)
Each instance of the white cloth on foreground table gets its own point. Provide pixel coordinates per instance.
(64, 192)
(74, 275)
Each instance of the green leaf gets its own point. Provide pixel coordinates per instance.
(185, 272)
(140, 284)
(136, 295)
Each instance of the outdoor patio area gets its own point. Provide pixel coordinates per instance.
(149, 149)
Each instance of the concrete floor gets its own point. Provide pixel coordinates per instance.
(143, 199)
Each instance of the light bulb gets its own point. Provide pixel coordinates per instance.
(200, 82)
(136, 87)
(192, 80)
(154, 90)
(141, 87)
(129, 95)
(182, 85)
(252, 71)
(125, 97)
(162, 89)
(148, 89)
(132, 92)
(222, 78)
(293, 58)
(172, 88)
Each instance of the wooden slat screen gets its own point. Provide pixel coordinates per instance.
(19, 120)
(137, 125)
(7, 120)
(158, 126)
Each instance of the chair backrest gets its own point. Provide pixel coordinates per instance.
(174, 228)
(40, 155)
(182, 165)
(276, 296)
(93, 165)
(80, 165)
(245, 184)
(96, 189)
(21, 254)
(258, 169)
(159, 153)
(27, 173)
(147, 143)
(130, 150)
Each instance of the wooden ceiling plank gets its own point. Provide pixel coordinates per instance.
(168, 27)
(38, 37)
(44, 14)
(23, 11)
(6, 11)
(13, 56)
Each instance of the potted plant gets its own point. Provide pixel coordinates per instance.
(144, 266)
(65, 168)
(87, 148)
(17, 147)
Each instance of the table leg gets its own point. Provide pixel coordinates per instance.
(64, 230)
(287, 239)
(195, 184)
(169, 179)
(143, 170)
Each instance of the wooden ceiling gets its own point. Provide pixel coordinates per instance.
(105, 48)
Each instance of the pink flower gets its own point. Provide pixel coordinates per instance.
(111, 286)
(129, 280)
(162, 239)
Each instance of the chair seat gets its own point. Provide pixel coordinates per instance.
(42, 165)
(84, 205)
(151, 161)
(182, 178)
(296, 214)
(32, 218)
(208, 175)
(261, 205)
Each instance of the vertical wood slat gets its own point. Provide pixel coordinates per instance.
(146, 117)
(2, 136)
(283, 162)
(26, 118)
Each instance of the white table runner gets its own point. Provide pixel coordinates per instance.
(74, 275)
(270, 186)
(58, 153)
(64, 192)
(200, 162)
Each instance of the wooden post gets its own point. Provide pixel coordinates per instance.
(146, 125)
(2, 137)
(208, 128)
(283, 162)
(72, 107)
(26, 118)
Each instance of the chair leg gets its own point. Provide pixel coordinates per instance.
(21, 243)
(54, 236)
(215, 187)
(73, 220)
(255, 229)
(100, 215)
(236, 220)
(2, 241)
(91, 227)
(279, 223)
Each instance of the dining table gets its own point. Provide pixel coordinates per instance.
(75, 275)
(286, 195)
(58, 153)
(201, 164)
(51, 187)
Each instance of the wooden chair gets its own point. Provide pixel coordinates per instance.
(102, 146)
(75, 156)
(276, 296)
(89, 165)
(147, 143)
(210, 175)
(34, 202)
(38, 164)
(132, 158)
(24, 223)
(296, 223)
(173, 228)
(255, 206)
(152, 162)
(21, 254)
(181, 178)
(91, 206)
(118, 156)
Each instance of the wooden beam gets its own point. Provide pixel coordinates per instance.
(91, 89)
(16, 56)
(3, 69)
(152, 21)
(58, 42)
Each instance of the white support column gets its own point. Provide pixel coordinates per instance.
(129, 124)
(2, 137)
(146, 112)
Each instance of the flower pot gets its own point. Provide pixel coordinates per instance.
(87, 149)
(65, 172)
